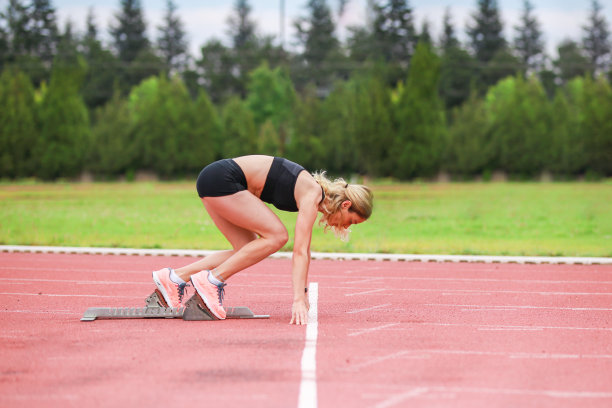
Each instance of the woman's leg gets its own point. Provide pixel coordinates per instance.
(239, 217)
(237, 236)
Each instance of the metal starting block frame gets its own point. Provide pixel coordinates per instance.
(157, 308)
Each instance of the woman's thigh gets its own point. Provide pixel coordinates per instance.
(242, 215)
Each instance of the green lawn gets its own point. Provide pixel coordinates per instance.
(550, 219)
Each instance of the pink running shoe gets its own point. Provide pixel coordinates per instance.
(211, 294)
(173, 293)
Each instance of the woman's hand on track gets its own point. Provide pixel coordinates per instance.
(299, 311)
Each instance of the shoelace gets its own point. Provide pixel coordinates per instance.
(182, 288)
(221, 292)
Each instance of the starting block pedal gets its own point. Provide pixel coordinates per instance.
(156, 308)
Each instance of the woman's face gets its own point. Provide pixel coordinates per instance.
(344, 218)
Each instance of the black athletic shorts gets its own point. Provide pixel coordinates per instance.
(221, 178)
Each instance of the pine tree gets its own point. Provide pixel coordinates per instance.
(486, 31)
(568, 157)
(457, 67)
(334, 128)
(31, 37)
(321, 47)
(208, 127)
(112, 151)
(241, 26)
(520, 125)
(571, 63)
(372, 125)
(528, 39)
(18, 131)
(239, 131)
(448, 39)
(271, 97)
(394, 36)
(129, 31)
(42, 30)
(597, 125)
(596, 39)
(306, 146)
(420, 119)
(64, 123)
(100, 81)
(171, 40)
(242, 31)
(216, 64)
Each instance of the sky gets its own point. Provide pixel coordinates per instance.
(206, 19)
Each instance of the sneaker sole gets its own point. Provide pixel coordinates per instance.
(204, 302)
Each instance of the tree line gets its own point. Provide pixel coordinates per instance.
(389, 101)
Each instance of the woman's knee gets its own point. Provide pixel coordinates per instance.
(278, 238)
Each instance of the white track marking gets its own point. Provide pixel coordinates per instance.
(398, 398)
(367, 292)
(373, 329)
(317, 255)
(369, 308)
(308, 386)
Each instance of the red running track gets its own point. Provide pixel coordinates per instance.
(390, 334)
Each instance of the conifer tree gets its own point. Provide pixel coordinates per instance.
(469, 151)
(306, 144)
(372, 125)
(271, 97)
(101, 77)
(457, 66)
(64, 122)
(239, 131)
(520, 124)
(486, 31)
(394, 36)
(597, 124)
(528, 41)
(321, 47)
(242, 31)
(571, 62)
(448, 38)
(420, 119)
(568, 157)
(216, 64)
(18, 130)
(112, 151)
(171, 40)
(129, 31)
(208, 126)
(596, 39)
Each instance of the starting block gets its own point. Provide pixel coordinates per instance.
(156, 308)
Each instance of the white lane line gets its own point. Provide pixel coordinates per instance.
(398, 398)
(515, 307)
(363, 280)
(308, 386)
(70, 295)
(317, 255)
(11, 281)
(369, 308)
(360, 332)
(367, 292)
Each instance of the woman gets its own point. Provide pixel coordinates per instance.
(233, 192)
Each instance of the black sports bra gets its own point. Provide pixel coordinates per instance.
(279, 189)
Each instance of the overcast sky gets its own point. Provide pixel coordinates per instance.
(205, 19)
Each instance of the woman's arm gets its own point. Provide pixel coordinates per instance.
(306, 218)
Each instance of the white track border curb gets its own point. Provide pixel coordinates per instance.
(316, 255)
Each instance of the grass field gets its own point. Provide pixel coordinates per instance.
(546, 219)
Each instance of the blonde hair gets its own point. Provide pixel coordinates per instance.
(338, 191)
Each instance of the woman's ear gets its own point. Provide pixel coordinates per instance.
(346, 204)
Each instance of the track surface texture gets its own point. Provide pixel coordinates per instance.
(390, 334)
